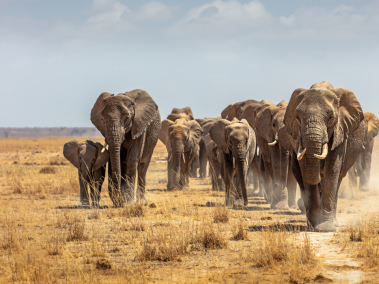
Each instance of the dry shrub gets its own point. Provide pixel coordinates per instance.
(136, 226)
(221, 214)
(11, 241)
(76, 230)
(57, 161)
(47, 170)
(135, 209)
(17, 186)
(168, 244)
(55, 245)
(366, 234)
(277, 247)
(103, 264)
(211, 238)
(240, 234)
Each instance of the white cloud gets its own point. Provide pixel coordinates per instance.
(154, 10)
(229, 16)
(114, 13)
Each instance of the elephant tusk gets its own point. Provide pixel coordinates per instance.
(364, 148)
(247, 162)
(104, 147)
(273, 143)
(183, 157)
(300, 155)
(324, 152)
(257, 151)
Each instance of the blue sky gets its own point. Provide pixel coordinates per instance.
(58, 56)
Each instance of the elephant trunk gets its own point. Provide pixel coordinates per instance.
(176, 168)
(241, 169)
(313, 140)
(115, 139)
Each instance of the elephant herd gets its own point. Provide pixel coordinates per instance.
(313, 141)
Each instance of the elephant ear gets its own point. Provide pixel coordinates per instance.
(350, 115)
(249, 114)
(71, 153)
(372, 126)
(96, 118)
(102, 157)
(263, 124)
(224, 113)
(289, 120)
(251, 132)
(145, 111)
(232, 113)
(217, 133)
(194, 135)
(164, 134)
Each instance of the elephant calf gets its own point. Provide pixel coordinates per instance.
(90, 160)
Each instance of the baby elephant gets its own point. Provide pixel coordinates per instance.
(90, 160)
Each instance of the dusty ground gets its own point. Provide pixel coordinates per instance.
(45, 238)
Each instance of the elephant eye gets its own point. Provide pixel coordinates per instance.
(273, 124)
(331, 115)
(298, 119)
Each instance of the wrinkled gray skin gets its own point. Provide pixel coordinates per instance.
(279, 182)
(236, 145)
(130, 123)
(315, 117)
(91, 163)
(182, 139)
(362, 166)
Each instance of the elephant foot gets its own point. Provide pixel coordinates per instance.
(325, 227)
(282, 205)
(301, 206)
(293, 206)
(365, 189)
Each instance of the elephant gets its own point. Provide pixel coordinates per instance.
(182, 139)
(130, 123)
(181, 111)
(202, 157)
(319, 119)
(236, 144)
(362, 165)
(279, 181)
(235, 110)
(90, 161)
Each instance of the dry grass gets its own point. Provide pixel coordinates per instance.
(221, 214)
(180, 237)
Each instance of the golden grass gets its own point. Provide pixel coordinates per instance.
(181, 236)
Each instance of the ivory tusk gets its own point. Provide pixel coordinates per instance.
(183, 157)
(273, 143)
(104, 147)
(324, 152)
(257, 151)
(247, 162)
(300, 155)
(364, 148)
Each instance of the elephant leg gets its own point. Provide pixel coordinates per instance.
(296, 172)
(332, 172)
(203, 160)
(291, 187)
(169, 172)
(84, 198)
(132, 158)
(96, 189)
(142, 170)
(267, 182)
(280, 174)
(227, 173)
(366, 167)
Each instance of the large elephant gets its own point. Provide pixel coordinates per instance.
(90, 160)
(182, 142)
(236, 145)
(130, 123)
(279, 181)
(327, 126)
(362, 166)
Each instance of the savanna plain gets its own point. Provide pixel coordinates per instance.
(183, 236)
